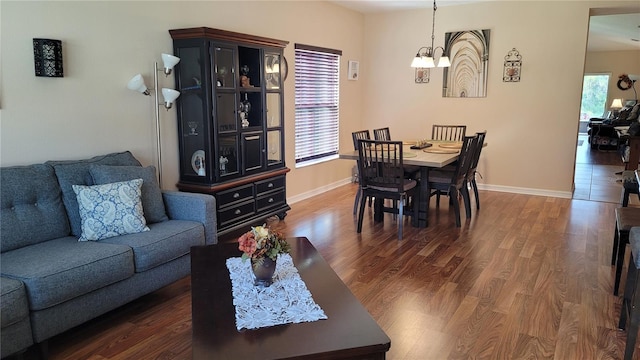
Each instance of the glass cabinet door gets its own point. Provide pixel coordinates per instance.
(274, 149)
(273, 110)
(228, 155)
(224, 68)
(272, 70)
(226, 112)
(191, 108)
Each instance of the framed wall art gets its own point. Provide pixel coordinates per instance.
(469, 55)
(354, 70)
(422, 75)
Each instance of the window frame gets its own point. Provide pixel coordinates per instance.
(317, 77)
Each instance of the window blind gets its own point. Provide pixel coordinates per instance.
(317, 86)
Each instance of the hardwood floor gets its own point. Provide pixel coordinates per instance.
(525, 277)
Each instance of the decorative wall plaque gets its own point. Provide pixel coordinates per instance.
(422, 75)
(512, 66)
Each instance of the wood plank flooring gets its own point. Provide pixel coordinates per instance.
(526, 277)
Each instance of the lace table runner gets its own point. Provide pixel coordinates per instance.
(287, 300)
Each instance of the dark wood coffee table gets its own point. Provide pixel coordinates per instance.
(349, 332)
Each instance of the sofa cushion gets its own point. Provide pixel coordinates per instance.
(111, 209)
(76, 172)
(57, 270)
(31, 209)
(166, 241)
(152, 202)
(13, 301)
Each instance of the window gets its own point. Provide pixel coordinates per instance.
(317, 84)
(594, 96)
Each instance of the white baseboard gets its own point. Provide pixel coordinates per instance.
(507, 189)
(318, 191)
(526, 191)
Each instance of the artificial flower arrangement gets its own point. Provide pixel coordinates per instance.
(261, 242)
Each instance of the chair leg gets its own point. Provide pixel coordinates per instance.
(614, 251)
(622, 245)
(475, 192)
(361, 214)
(625, 198)
(453, 195)
(357, 200)
(400, 217)
(467, 200)
(626, 299)
(630, 309)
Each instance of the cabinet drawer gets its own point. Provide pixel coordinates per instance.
(235, 195)
(270, 185)
(235, 213)
(277, 198)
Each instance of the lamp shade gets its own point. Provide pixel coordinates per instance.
(137, 84)
(169, 62)
(616, 104)
(169, 96)
(428, 62)
(444, 61)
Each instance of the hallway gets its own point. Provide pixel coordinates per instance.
(595, 174)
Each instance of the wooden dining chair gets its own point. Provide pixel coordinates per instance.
(453, 182)
(471, 173)
(382, 134)
(381, 169)
(359, 135)
(448, 132)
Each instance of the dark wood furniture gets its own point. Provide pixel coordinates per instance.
(631, 299)
(382, 176)
(359, 135)
(349, 332)
(448, 132)
(454, 182)
(231, 123)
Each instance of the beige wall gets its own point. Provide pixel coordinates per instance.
(90, 111)
(614, 63)
(531, 124)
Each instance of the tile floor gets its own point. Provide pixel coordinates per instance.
(595, 175)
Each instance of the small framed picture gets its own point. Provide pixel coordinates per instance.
(422, 75)
(354, 68)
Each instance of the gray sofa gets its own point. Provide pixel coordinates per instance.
(51, 281)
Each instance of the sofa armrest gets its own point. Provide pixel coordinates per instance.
(194, 207)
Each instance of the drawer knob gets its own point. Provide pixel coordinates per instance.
(236, 195)
(270, 185)
(238, 212)
(270, 200)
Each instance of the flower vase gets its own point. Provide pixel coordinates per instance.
(263, 270)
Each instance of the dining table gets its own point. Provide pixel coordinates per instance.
(438, 155)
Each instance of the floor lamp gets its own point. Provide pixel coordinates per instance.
(170, 95)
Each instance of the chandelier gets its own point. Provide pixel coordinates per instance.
(425, 59)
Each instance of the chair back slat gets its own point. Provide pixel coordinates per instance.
(382, 134)
(476, 154)
(381, 164)
(448, 132)
(359, 135)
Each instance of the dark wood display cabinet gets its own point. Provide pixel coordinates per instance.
(231, 122)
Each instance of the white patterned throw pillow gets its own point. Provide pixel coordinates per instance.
(110, 210)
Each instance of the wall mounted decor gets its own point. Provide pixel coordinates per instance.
(47, 57)
(512, 65)
(469, 55)
(354, 70)
(422, 75)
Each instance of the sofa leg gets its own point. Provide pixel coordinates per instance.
(43, 350)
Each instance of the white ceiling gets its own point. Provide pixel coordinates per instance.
(606, 32)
